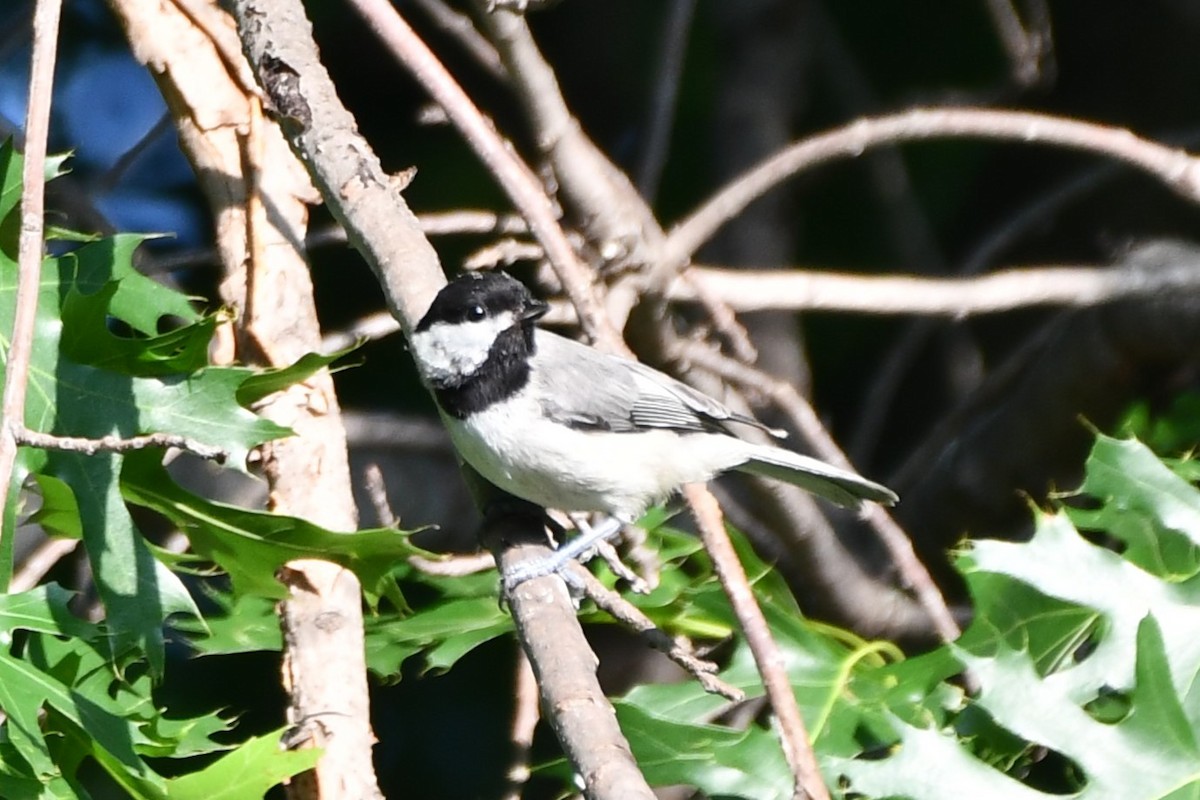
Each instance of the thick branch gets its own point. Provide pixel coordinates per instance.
(516, 178)
(564, 665)
(259, 195)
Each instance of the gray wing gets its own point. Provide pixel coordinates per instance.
(589, 389)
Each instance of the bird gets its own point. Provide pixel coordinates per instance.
(562, 425)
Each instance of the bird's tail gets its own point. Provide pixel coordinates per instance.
(842, 486)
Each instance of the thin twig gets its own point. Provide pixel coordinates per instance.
(912, 571)
(454, 566)
(113, 174)
(514, 175)
(117, 444)
(620, 609)
(369, 328)
(29, 243)
(460, 28)
(1177, 169)
(503, 253)
(377, 492)
(723, 317)
(771, 666)
(661, 116)
(1024, 48)
(467, 221)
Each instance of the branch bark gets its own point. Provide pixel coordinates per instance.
(259, 194)
(279, 42)
(29, 253)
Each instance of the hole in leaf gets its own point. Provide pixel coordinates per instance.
(1110, 706)
(1034, 765)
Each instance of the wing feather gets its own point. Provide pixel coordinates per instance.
(591, 390)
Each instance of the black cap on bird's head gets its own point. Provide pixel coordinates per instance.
(475, 296)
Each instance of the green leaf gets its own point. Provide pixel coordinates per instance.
(267, 382)
(249, 771)
(42, 609)
(1059, 563)
(927, 765)
(242, 624)
(84, 381)
(1146, 505)
(58, 512)
(719, 760)
(11, 164)
(252, 545)
(89, 339)
(443, 632)
(25, 690)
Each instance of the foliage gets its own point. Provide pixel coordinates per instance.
(1083, 658)
(118, 353)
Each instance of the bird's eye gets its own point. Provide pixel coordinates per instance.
(476, 313)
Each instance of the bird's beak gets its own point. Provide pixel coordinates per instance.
(534, 310)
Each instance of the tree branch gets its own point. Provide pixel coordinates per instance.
(258, 192)
(29, 252)
(1175, 168)
(564, 665)
(960, 297)
(796, 744)
(116, 444)
(515, 177)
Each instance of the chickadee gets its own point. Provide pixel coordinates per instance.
(564, 426)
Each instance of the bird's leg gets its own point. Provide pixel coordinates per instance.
(588, 537)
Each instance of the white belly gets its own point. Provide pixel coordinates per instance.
(558, 467)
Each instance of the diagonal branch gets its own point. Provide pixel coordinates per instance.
(515, 177)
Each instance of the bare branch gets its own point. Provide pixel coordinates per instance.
(661, 116)
(632, 617)
(564, 664)
(29, 242)
(1025, 48)
(117, 444)
(207, 17)
(377, 491)
(466, 221)
(1177, 169)
(517, 179)
(959, 297)
(369, 328)
(460, 27)
(896, 541)
(454, 566)
(526, 714)
(614, 217)
(503, 253)
(796, 744)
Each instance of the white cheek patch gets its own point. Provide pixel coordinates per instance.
(447, 352)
